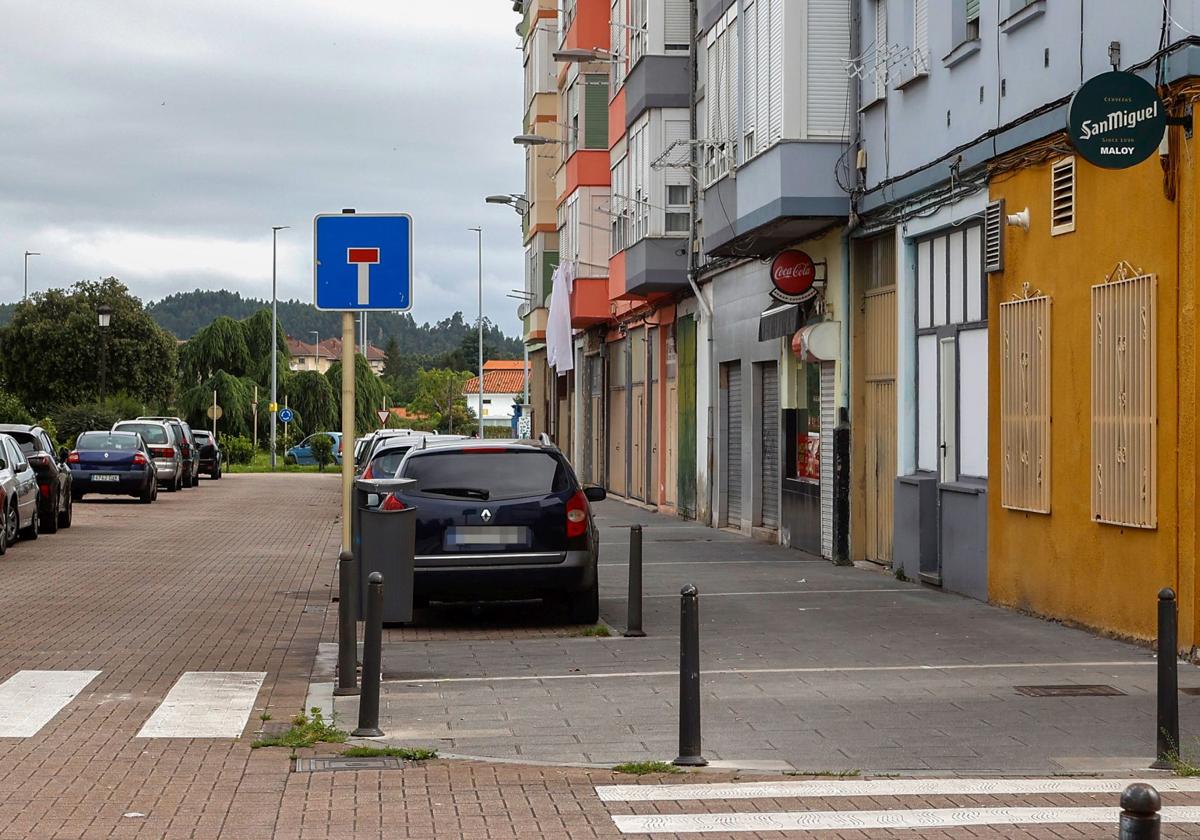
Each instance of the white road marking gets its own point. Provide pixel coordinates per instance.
(997, 666)
(206, 704)
(700, 563)
(843, 820)
(880, 787)
(30, 699)
(893, 590)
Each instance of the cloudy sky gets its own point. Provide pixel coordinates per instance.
(159, 141)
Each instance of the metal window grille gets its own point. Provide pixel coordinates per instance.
(1025, 404)
(1062, 197)
(1124, 402)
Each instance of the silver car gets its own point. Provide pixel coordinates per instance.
(164, 445)
(19, 485)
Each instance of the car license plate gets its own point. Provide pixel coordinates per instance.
(106, 478)
(467, 535)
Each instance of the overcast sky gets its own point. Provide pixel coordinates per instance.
(159, 141)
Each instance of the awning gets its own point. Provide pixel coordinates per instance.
(779, 322)
(818, 342)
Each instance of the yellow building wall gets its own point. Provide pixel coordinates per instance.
(1063, 564)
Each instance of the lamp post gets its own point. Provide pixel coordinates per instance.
(104, 317)
(520, 203)
(479, 236)
(274, 330)
(28, 254)
(316, 350)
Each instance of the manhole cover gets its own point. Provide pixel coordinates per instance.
(1069, 691)
(323, 765)
(314, 609)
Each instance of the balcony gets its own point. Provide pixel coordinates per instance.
(655, 266)
(784, 194)
(656, 81)
(589, 302)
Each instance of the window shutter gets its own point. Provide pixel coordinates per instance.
(881, 49)
(678, 24)
(731, 86)
(1062, 197)
(972, 10)
(775, 72)
(828, 50)
(920, 36)
(595, 118)
(751, 70)
(993, 237)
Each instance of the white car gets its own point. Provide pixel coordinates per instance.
(18, 482)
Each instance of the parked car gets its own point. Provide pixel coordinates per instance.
(302, 452)
(189, 451)
(501, 519)
(390, 452)
(211, 456)
(164, 444)
(377, 438)
(53, 475)
(115, 463)
(19, 483)
(360, 447)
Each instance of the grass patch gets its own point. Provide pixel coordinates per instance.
(643, 768)
(406, 753)
(600, 630)
(262, 463)
(306, 731)
(826, 774)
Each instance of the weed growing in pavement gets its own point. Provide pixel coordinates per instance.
(264, 717)
(406, 753)
(306, 731)
(828, 774)
(898, 571)
(600, 630)
(1180, 766)
(642, 768)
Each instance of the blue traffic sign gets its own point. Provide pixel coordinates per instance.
(362, 261)
(286, 415)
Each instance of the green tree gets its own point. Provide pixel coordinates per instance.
(322, 451)
(235, 396)
(440, 398)
(12, 410)
(312, 398)
(52, 350)
(369, 394)
(221, 346)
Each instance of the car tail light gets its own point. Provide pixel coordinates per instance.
(45, 488)
(577, 515)
(390, 502)
(368, 474)
(139, 460)
(73, 458)
(164, 452)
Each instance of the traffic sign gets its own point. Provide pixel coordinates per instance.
(382, 414)
(286, 415)
(215, 412)
(272, 406)
(362, 261)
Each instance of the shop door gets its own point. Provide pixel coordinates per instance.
(671, 409)
(653, 414)
(685, 348)
(877, 422)
(769, 476)
(617, 426)
(828, 422)
(637, 414)
(731, 433)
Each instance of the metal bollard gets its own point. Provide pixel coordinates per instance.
(689, 679)
(347, 681)
(1168, 680)
(368, 702)
(633, 604)
(1139, 813)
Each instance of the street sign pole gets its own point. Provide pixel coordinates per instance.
(347, 426)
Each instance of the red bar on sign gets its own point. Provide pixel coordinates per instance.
(362, 255)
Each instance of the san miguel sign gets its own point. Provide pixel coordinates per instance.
(1116, 120)
(793, 274)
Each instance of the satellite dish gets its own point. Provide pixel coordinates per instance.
(523, 311)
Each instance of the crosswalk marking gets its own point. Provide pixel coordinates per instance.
(879, 787)
(844, 820)
(30, 699)
(206, 704)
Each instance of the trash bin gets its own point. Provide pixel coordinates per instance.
(384, 542)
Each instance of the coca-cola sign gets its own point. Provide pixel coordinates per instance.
(793, 274)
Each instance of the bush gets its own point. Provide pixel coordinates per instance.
(70, 420)
(52, 430)
(12, 410)
(322, 450)
(238, 449)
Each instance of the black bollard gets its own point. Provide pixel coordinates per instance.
(633, 605)
(1139, 813)
(368, 701)
(689, 679)
(347, 681)
(1168, 680)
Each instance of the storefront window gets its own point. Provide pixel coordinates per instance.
(803, 430)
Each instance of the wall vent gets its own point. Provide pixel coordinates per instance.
(1062, 197)
(993, 237)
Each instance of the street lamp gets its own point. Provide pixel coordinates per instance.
(316, 350)
(274, 331)
(28, 254)
(534, 140)
(104, 317)
(517, 201)
(479, 235)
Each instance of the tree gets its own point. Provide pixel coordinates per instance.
(52, 350)
(219, 346)
(322, 451)
(369, 395)
(313, 400)
(235, 395)
(440, 397)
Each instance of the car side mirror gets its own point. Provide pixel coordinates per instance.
(595, 494)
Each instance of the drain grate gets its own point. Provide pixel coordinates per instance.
(312, 609)
(1069, 691)
(330, 765)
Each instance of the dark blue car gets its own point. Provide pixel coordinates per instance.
(116, 463)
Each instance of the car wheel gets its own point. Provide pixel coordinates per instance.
(147, 495)
(584, 607)
(30, 532)
(4, 531)
(49, 524)
(11, 523)
(217, 473)
(64, 517)
(290, 460)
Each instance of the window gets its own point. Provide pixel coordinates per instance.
(764, 67)
(619, 209)
(637, 31)
(595, 118)
(678, 209)
(511, 474)
(972, 18)
(881, 49)
(721, 97)
(920, 17)
(1124, 471)
(572, 127)
(1025, 404)
(1062, 197)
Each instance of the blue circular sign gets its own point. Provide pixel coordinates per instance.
(286, 415)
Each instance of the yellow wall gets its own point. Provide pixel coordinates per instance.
(1063, 564)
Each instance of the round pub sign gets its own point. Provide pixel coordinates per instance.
(1116, 120)
(793, 274)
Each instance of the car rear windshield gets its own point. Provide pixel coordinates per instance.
(150, 432)
(500, 473)
(385, 464)
(107, 441)
(26, 441)
(201, 436)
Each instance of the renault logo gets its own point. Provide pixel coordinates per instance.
(486, 516)
(106, 455)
